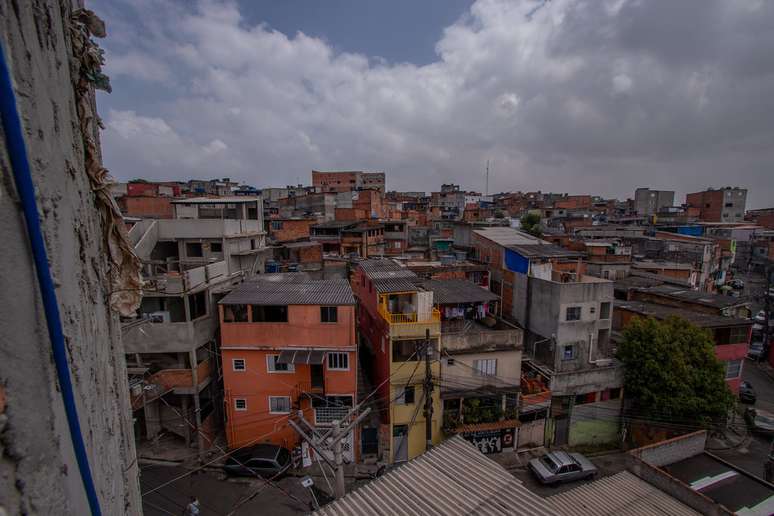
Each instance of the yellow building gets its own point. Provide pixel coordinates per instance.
(396, 317)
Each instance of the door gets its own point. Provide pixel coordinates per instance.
(318, 378)
(369, 441)
(400, 443)
(561, 430)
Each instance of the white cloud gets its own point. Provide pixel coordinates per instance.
(531, 94)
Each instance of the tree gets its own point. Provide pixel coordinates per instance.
(531, 224)
(671, 372)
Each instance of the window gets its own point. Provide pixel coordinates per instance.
(573, 313)
(605, 274)
(486, 367)
(329, 314)
(338, 361)
(235, 313)
(240, 404)
(403, 350)
(733, 369)
(216, 247)
(276, 225)
(279, 404)
(568, 352)
(273, 367)
(604, 311)
(270, 313)
(238, 364)
(193, 250)
(405, 396)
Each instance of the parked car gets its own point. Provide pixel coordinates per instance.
(755, 351)
(266, 460)
(557, 467)
(760, 317)
(746, 393)
(760, 421)
(736, 284)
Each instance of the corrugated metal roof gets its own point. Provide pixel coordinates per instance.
(453, 291)
(506, 236)
(620, 494)
(453, 478)
(388, 276)
(288, 291)
(701, 319)
(544, 251)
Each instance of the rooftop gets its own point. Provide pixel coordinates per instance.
(623, 493)
(335, 224)
(456, 291)
(703, 320)
(653, 264)
(388, 276)
(544, 250)
(453, 478)
(736, 490)
(694, 296)
(237, 199)
(506, 236)
(290, 289)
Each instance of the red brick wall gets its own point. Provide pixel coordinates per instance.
(146, 207)
(291, 230)
(346, 214)
(311, 254)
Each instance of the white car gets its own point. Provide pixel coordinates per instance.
(760, 316)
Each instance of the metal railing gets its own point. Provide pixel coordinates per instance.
(411, 318)
(327, 415)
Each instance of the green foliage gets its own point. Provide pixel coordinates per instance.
(531, 224)
(481, 410)
(672, 373)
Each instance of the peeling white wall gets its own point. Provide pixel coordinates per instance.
(38, 471)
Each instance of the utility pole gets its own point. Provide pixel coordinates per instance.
(766, 309)
(486, 192)
(428, 394)
(330, 442)
(340, 490)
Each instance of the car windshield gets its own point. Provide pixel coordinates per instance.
(767, 421)
(550, 464)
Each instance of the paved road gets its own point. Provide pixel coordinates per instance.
(217, 495)
(752, 456)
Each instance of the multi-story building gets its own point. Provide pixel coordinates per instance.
(730, 334)
(233, 208)
(396, 319)
(648, 202)
(449, 203)
(363, 240)
(721, 205)
(344, 181)
(171, 348)
(288, 345)
(289, 229)
(566, 315)
(608, 259)
(395, 237)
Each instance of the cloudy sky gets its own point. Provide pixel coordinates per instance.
(596, 96)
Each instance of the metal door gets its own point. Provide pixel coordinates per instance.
(400, 443)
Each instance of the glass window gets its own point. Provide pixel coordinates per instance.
(276, 225)
(573, 313)
(487, 367)
(235, 313)
(279, 404)
(733, 369)
(274, 367)
(568, 352)
(240, 404)
(329, 314)
(193, 250)
(338, 361)
(405, 395)
(216, 247)
(238, 364)
(604, 311)
(270, 313)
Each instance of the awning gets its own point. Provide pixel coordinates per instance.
(301, 357)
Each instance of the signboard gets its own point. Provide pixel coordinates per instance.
(492, 441)
(306, 459)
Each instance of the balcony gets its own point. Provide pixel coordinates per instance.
(172, 337)
(167, 380)
(411, 324)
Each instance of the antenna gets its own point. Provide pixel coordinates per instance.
(486, 192)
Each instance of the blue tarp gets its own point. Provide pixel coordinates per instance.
(690, 230)
(516, 262)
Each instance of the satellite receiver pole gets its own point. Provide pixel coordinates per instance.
(486, 192)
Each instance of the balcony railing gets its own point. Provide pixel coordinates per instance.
(412, 318)
(327, 415)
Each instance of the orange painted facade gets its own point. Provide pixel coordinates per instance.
(248, 349)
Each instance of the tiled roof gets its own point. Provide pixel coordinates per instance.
(622, 493)
(288, 291)
(453, 291)
(454, 478)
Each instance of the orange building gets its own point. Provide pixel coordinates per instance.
(288, 344)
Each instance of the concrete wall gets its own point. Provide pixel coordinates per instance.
(462, 374)
(593, 379)
(672, 450)
(38, 471)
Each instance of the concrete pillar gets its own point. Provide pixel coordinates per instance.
(152, 419)
(197, 406)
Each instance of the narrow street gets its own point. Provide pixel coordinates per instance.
(752, 455)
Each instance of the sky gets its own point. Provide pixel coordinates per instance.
(581, 96)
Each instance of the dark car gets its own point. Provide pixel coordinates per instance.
(736, 284)
(555, 467)
(746, 393)
(265, 460)
(755, 351)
